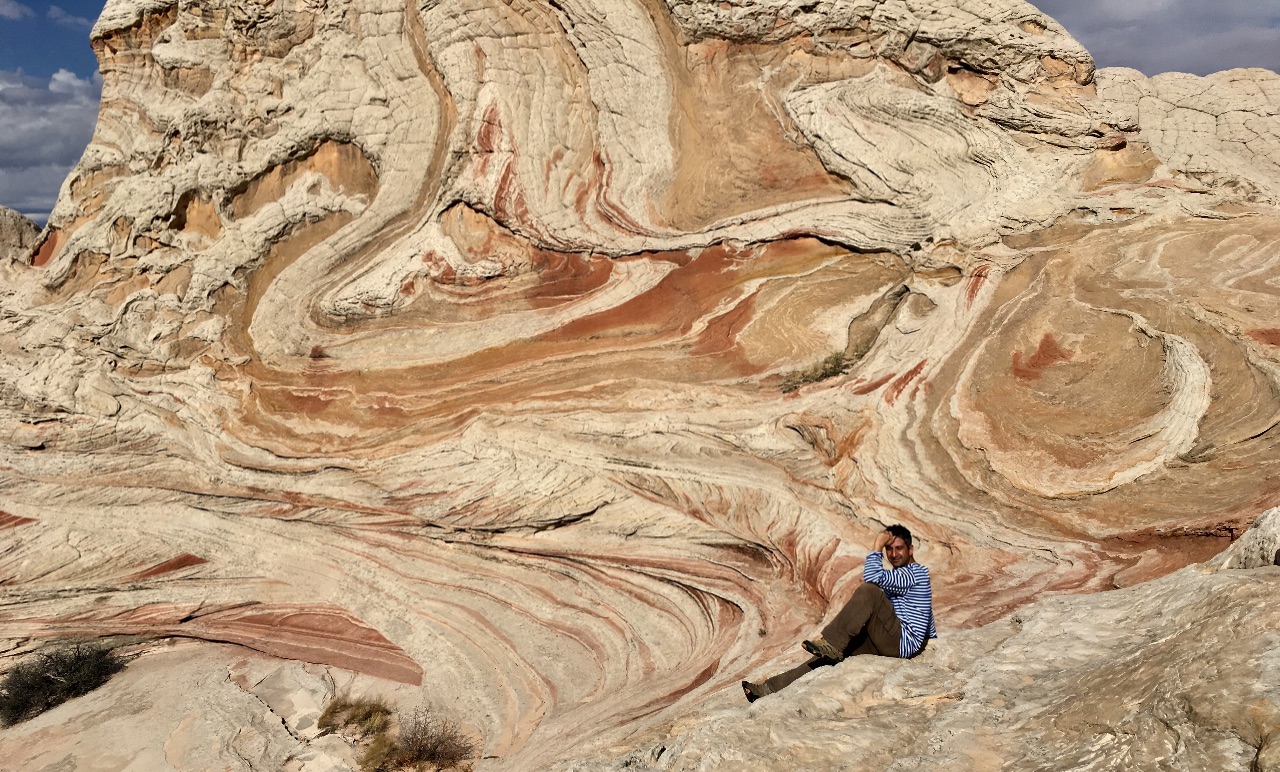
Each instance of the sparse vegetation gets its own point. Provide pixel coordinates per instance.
(50, 678)
(379, 754)
(427, 738)
(367, 716)
(828, 368)
(421, 740)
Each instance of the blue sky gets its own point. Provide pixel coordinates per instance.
(41, 38)
(49, 88)
(49, 85)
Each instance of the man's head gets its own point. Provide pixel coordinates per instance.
(899, 550)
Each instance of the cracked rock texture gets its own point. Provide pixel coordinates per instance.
(1182, 672)
(17, 235)
(189, 705)
(440, 345)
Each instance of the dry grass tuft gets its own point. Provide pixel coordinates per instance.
(379, 755)
(421, 740)
(367, 715)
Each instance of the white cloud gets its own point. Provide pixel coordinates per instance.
(67, 82)
(1157, 36)
(44, 127)
(10, 9)
(59, 16)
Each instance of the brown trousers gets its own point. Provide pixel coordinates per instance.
(866, 625)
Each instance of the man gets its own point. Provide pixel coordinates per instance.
(890, 614)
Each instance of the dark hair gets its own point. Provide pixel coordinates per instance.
(900, 532)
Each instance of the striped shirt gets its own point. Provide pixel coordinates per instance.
(909, 591)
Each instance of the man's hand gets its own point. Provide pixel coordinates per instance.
(882, 538)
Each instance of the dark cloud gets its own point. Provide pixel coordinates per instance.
(1157, 36)
(59, 16)
(44, 127)
(14, 10)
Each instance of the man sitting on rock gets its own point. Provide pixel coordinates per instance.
(890, 614)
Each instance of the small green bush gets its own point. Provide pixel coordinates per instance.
(828, 368)
(49, 679)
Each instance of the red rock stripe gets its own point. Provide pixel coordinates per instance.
(13, 521)
(320, 634)
(894, 391)
(185, 560)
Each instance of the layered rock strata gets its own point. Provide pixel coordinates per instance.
(1178, 673)
(1175, 674)
(442, 343)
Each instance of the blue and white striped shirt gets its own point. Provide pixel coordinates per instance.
(909, 591)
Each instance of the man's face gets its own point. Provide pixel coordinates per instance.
(898, 552)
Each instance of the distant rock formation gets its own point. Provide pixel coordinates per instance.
(443, 344)
(17, 236)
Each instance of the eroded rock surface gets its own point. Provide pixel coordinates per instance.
(189, 705)
(17, 235)
(442, 343)
(1179, 673)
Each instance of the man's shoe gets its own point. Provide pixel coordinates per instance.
(820, 647)
(755, 691)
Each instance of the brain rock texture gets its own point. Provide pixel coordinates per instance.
(436, 349)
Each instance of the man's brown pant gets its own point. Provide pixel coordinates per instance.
(866, 625)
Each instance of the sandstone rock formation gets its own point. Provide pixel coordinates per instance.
(1177, 673)
(441, 344)
(17, 235)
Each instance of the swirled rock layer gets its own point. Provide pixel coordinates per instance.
(1178, 673)
(443, 342)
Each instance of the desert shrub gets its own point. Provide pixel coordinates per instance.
(50, 678)
(367, 715)
(426, 737)
(423, 739)
(828, 368)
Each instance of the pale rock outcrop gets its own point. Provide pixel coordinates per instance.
(1175, 674)
(1179, 673)
(1260, 545)
(1223, 130)
(442, 343)
(189, 705)
(17, 236)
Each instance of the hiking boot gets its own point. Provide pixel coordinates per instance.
(755, 691)
(821, 647)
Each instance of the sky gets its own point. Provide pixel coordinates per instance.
(49, 83)
(49, 89)
(1155, 36)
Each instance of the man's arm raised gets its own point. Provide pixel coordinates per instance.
(895, 581)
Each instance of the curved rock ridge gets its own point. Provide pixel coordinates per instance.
(1178, 673)
(445, 342)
